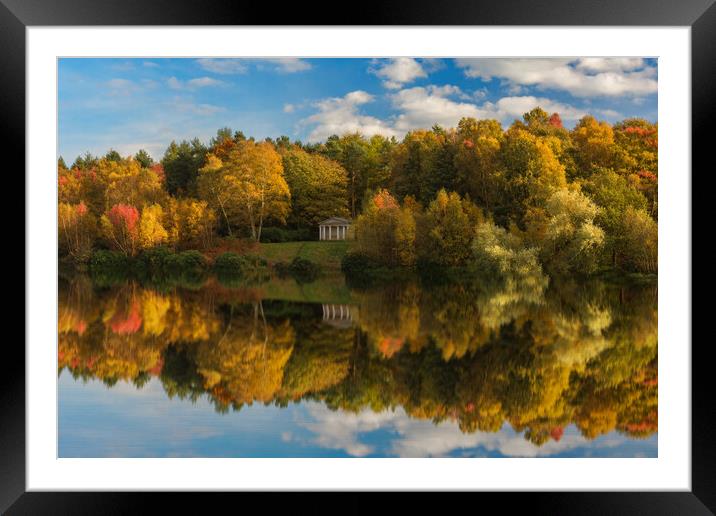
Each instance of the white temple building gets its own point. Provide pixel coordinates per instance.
(335, 228)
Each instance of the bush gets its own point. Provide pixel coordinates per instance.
(161, 259)
(162, 266)
(186, 261)
(239, 263)
(235, 270)
(230, 262)
(109, 268)
(358, 263)
(108, 260)
(152, 261)
(499, 253)
(302, 270)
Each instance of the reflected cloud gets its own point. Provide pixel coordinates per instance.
(420, 438)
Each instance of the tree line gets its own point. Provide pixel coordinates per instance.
(573, 199)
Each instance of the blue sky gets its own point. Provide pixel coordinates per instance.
(128, 104)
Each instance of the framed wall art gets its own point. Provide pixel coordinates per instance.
(438, 248)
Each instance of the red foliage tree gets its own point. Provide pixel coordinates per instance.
(123, 230)
(555, 120)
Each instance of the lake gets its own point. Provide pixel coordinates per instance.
(466, 367)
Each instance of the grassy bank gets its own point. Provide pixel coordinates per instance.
(327, 255)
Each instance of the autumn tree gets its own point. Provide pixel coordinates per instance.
(614, 194)
(190, 223)
(594, 146)
(637, 149)
(375, 228)
(568, 237)
(248, 187)
(127, 182)
(151, 227)
(366, 162)
(448, 230)
(120, 226)
(225, 142)
(77, 229)
(406, 234)
(532, 171)
(639, 241)
(423, 164)
(477, 162)
(318, 187)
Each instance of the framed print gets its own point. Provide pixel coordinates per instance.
(418, 252)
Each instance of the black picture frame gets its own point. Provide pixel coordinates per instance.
(700, 15)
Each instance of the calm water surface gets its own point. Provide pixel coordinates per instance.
(470, 368)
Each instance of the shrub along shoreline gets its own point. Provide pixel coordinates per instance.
(290, 259)
(163, 265)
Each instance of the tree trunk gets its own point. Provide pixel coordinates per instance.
(251, 223)
(226, 217)
(261, 218)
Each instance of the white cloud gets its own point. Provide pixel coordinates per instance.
(223, 66)
(119, 83)
(150, 64)
(289, 64)
(610, 64)
(609, 113)
(150, 84)
(174, 83)
(399, 71)
(339, 430)
(192, 84)
(228, 66)
(585, 77)
(480, 94)
(121, 87)
(201, 82)
(422, 107)
(289, 108)
(339, 115)
(198, 109)
(125, 66)
(508, 108)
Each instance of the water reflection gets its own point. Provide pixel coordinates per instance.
(546, 364)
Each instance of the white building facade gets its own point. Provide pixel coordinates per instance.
(335, 228)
